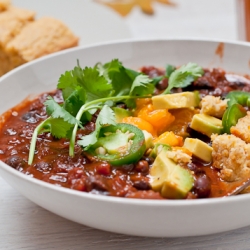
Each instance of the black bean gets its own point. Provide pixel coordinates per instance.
(202, 186)
(15, 162)
(128, 167)
(29, 117)
(195, 167)
(141, 185)
(192, 166)
(149, 159)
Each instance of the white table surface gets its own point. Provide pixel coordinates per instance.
(24, 225)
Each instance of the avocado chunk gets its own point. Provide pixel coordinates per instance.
(121, 113)
(169, 178)
(148, 139)
(199, 149)
(176, 101)
(206, 124)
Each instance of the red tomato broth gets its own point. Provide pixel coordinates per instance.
(83, 172)
(52, 162)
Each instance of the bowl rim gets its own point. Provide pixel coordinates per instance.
(123, 41)
(123, 200)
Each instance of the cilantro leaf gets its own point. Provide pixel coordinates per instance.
(157, 79)
(56, 111)
(120, 79)
(141, 86)
(169, 70)
(95, 85)
(132, 73)
(75, 100)
(67, 83)
(105, 117)
(58, 127)
(184, 76)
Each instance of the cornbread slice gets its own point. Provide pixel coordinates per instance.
(4, 4)
(232, 156)
(11, 23)
(39, 38)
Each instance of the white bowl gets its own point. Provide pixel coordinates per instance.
(162, 218)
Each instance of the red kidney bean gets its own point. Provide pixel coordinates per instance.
(142, 166)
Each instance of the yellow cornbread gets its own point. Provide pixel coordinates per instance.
(23, 39)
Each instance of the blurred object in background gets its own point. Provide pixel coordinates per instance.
(124, 7)
(4, 4)
(211, 19)
(243, 14)
(90, 21)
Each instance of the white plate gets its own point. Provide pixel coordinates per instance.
(88, 20)
(162, 218)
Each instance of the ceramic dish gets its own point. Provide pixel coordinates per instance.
(162, 218)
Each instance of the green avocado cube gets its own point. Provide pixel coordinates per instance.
(199, 149)
(176, 101)
(169, 178)
(206, 124)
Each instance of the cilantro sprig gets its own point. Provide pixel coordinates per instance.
(169, 69)
(86, 90)
(184, 76)
(105, 117)
(98, 103)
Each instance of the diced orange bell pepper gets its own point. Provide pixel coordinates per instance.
(140, 123)
(169, 138)
(140, 103)
(159, 118)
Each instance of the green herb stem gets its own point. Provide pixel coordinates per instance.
(88, 106)
(37, 131)
(83, 109)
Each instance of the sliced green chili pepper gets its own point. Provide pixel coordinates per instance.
(235, 110)
(231, 116)
(240, 97)
(119, 144)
